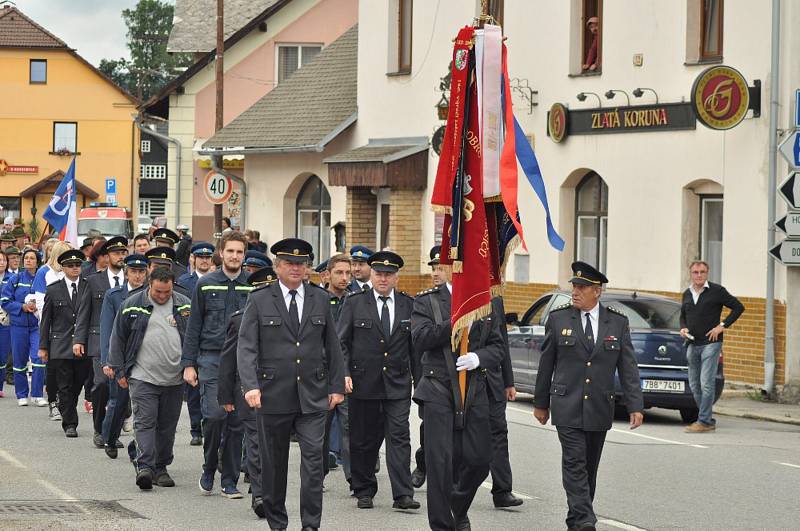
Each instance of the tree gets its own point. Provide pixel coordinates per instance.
(150, 66)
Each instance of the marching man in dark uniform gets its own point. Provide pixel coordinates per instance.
(457, 445)
(231, 398)
(359, 256)
(290, 365)
(87, 325)
(585, 343)
(56, 329)
(375, 330)
(163, 237)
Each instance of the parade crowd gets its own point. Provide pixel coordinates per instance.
(264, 357)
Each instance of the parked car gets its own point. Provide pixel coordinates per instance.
(660, 349)
(143, 224)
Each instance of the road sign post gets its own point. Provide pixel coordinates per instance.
(217, 187)
(790, 224)
(790, 150)
(790, 190)
(787, 252)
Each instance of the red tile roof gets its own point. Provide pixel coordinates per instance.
(18, 31)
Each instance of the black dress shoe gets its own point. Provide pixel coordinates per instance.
(98, 441)
(417, 478)
(144, 479)
(365, 502)
(506, 500)
(119, 444)
(258, 507)
(163, 479)
(586, 527)
(196, 441)
(405, 502)
(462, 524)
(111, 451)
(71, 432)
(308, 528)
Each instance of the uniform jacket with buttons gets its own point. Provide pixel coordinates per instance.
(18, 287)
(228, 384)
(577, 382)
(111, 303)
(131, 324)
(500, 377)
(87, 323)
(380, 366)
(294, 365)
(58, 319)
(215, 298)
(433, 339)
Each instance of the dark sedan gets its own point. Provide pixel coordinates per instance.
(660, 350)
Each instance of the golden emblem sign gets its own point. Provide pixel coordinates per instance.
(557, 122)
(720, 97)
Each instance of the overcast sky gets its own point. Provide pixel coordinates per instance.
(94, 27)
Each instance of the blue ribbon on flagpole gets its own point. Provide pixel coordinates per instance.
(527, 159)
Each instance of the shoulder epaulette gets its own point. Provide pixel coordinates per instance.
(406, 295)
(261, 287)
(616, 311)
(354, 293)
(317, 286)
(237, 312)
(428, 291)
(562, 307)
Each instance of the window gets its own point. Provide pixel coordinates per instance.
(292, 57)
(711, 30)
(152, 207)
(591, 220)
(10, 207)
(405, 13)
(314, 217)
(65, 136)
(592, 32)
(154, 171)
(711, 235)
(145, 146)
(38, 71)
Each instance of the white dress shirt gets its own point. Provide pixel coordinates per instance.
(389, 303)
(287, 298)
(594, 315)
(363, 285)
(449, 287)
(696, 294)
(120, 276)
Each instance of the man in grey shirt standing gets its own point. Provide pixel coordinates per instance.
(145, 354)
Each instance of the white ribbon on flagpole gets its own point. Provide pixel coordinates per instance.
(490, 107)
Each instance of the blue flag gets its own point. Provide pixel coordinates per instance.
(61, 213)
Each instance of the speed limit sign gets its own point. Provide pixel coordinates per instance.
(218, 187)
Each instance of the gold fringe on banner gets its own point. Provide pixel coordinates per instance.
(458, 266)
(493, 199)
(497, 291)
(465, 321)
(510, 248)
(440, 209)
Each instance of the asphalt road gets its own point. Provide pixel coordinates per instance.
(744, 476)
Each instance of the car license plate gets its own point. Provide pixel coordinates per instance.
(663, 386)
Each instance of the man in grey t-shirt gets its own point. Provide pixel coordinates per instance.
(145, 354)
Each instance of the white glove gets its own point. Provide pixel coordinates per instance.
(468, 362)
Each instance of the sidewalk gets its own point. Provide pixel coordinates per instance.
(736, 403)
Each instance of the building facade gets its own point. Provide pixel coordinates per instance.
(56, 105)
(153, 173)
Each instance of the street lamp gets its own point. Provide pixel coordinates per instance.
(582, 97)
(612, 92)
(639, 91)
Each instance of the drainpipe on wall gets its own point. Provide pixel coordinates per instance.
(242, 184)
(769, 324)
(139, 120)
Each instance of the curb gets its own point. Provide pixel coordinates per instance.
(732, 412)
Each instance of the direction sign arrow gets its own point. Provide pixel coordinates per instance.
(790, 224)
(787, 252)
(790, 150)
(790, 190)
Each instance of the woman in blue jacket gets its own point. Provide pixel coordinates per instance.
(5, 329)
(19, 300)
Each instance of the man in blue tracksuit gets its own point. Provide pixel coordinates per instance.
(216, 296)
(135, 277)
(203, 252)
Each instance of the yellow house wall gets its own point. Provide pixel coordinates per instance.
(107, 140)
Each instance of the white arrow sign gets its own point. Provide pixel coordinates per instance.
(790, 150)
(790, 224)
(787, 252)
(790, 190)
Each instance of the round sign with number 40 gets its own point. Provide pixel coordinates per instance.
(218, 187)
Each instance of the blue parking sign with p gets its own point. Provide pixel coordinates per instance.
(111, 186)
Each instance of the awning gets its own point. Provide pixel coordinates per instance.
(400, 163)
(55, 178)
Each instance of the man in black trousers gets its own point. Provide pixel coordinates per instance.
(375, 330)
(56, 329)
(576, 381)
(457, 446)
(290, 365)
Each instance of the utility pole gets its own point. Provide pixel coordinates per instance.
(219, 85)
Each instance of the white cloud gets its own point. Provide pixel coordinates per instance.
(93, 27)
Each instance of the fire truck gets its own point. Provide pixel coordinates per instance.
(109, 220)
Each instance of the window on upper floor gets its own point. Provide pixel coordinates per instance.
(592, 32)
(292, 57)
(704, 25)
(38, 71)
(154, 171)
(145, 146)
(65, 137)
(405, 14)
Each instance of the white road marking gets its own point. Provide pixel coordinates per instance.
(619, 525)
(11, 459)
(616, 430)
(488, 485)
(57, 492)
(787, 464)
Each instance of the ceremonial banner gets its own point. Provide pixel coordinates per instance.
(62, 212)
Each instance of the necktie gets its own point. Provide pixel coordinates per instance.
(293, 313)
(386, 323)
(74, 295)
(116, 282)
(589, 331)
